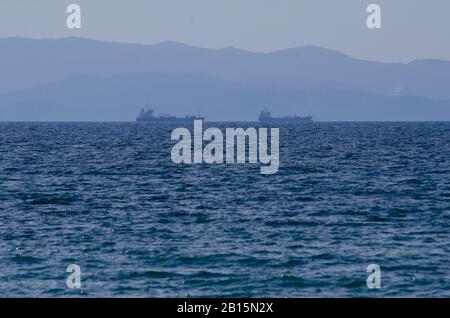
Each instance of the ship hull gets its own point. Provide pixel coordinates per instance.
(167, 120)
(286, 120)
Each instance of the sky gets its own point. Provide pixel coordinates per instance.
(411, 29)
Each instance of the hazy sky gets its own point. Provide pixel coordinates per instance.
(411, 28)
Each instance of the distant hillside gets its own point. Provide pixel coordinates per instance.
(26, 63)
(118, 98)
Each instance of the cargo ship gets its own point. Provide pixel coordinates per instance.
(266, 117)
(147, 115)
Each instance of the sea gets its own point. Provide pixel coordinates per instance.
(108, 198)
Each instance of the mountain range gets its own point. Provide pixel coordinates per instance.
(81, 79)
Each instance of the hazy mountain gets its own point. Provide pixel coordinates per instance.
(119, 98)
(26, 63)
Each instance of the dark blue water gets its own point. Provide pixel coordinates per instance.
(107, 196)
